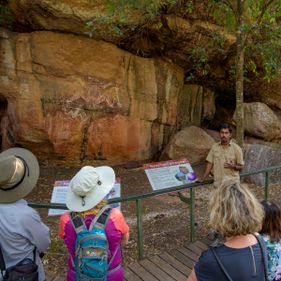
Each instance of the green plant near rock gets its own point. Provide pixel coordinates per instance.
(6, 18)
(118, 12)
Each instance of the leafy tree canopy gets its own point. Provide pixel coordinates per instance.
(261, 29)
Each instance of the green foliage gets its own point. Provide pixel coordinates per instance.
(189, 7)
(117, 12)
(108, 26)
(6, 18)
(262, 32)
(217, 40)
(199, 55)
(268, 55)
(199, 59)
(150, 8)
(222, 14)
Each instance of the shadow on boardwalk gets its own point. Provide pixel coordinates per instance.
(175, 265)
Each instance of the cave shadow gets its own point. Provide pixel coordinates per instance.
(3, 113)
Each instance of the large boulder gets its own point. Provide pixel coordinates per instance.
(260, 121)
(75, 98)
(191, 142)
(214, 134)
(258, 157)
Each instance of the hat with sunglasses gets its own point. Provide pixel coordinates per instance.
(19, 172)
(88, 187)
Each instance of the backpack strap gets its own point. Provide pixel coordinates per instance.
(34, 254)
(264, 255)
(101, 219)
(220, 264)
(77, 222)
(79, 225)
(2, 263)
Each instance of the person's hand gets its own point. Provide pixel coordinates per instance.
(229, 165)
(199, 180)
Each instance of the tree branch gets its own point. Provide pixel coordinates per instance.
(265, 6)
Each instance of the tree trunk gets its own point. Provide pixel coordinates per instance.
(239, 74)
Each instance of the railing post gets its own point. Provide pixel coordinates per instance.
(266, 186)
(140, 230)
(192, 214)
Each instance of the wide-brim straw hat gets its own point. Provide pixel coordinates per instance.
(19, 172)
(89, 187)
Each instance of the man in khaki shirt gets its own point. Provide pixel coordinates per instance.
(225, 158)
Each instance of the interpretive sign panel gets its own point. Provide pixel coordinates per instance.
(60, 191)
(169, 173)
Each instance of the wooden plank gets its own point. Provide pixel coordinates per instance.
(176, 264)
(194, 249)
(188, 253)
(155, 270)
(168, 268)
(130, 275)
(141, 272)
(182, 258)
(201, 245)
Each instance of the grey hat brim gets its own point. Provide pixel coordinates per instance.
(30, 178)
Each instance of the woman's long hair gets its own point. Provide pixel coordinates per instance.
(235, 210)
(272, 221)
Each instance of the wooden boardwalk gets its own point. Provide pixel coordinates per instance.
(175, 265)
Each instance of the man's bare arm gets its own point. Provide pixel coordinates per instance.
(235, 167)
(125, 238)
(209, 167)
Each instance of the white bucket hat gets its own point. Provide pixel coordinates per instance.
(88, 187)
(19, 172)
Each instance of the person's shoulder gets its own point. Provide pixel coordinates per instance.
(235, 145)
(207, 255)
(26, 214)
(215, 147)
(23, 209)
(207, 265)
(216, 144)
(118, 220)
(115, 213)
(206, 259)
(220, 249)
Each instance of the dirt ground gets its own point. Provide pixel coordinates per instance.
(165, 220)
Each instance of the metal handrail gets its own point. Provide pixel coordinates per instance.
(191, 201)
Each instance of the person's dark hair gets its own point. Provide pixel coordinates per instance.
(225, 126)
(272, 221)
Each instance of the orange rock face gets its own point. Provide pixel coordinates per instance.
(74, 98)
